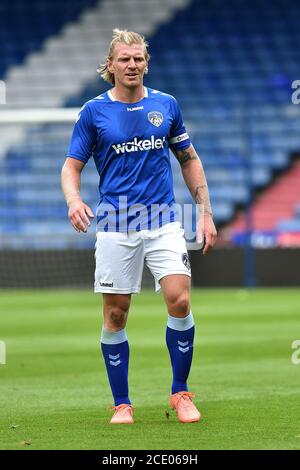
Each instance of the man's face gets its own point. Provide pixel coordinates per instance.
(128, 64)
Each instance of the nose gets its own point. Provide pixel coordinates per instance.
(132, 63)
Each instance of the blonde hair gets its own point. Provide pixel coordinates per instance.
(127, 37)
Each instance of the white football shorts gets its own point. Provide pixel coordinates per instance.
(120, 258)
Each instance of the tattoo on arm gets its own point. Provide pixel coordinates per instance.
(198, 194)
(185, 155)
(201, 197)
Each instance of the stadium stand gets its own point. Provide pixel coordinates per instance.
(230, 68)
(276, 209)
(68, 60)
(24, 26)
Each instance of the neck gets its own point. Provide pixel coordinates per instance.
(128, 95)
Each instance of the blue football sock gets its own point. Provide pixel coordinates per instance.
(115, 350)
(180, 340)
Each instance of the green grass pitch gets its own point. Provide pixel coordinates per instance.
(55, 394)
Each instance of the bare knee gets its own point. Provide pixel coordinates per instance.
(179, 305)
(117, 318)
(115, 312)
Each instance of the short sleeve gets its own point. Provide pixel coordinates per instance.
(84, 136)
(178, 137)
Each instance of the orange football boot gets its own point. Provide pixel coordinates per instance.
(123, 414)
(186, 411)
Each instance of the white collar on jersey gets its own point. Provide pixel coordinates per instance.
(112, 98)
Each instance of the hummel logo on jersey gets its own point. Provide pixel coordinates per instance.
(135, 108)
(135, 145)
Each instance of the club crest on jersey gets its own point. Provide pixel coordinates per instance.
(156, 118)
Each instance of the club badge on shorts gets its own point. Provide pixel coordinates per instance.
(156, 118)
(186, 261)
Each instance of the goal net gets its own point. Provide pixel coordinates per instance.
(38, 246)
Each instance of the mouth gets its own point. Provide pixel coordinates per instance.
(132, 75)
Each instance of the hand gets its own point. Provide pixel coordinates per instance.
(79, 214)
(210, 233)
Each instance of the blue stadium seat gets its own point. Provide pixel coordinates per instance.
(289, 225)
(297, 212)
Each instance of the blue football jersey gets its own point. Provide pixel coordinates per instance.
(130, 146)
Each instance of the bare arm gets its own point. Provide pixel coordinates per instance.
(194, 177)
(79, 212)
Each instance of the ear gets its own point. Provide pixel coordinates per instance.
(109, 66)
